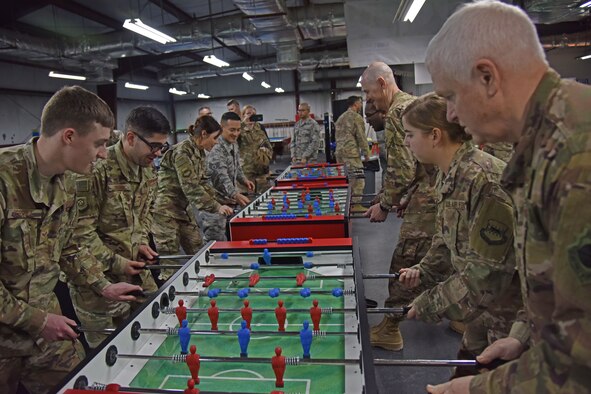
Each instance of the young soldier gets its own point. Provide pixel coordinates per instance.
(501, 89)
(223, 168)
(474, 233)
(351, 143)
(38, 346)
(115, 204)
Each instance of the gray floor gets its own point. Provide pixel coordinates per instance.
(421, 341)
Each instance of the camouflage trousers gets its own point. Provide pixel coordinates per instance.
(171, 234)
(261, 183)
(408, 252)
(214, 226)
(40, 372)
(356, 176)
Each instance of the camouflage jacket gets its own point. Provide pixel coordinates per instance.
(400, 168)
(37, 216)
(256, 151)
(350, 135)
(550, 183)
(421, 211)
(306, 139)
(115, 210)
(500, 150)
(223, 168)
(475, 233)
(183, 182)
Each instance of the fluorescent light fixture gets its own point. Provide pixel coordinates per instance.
(53, 74)
(203, 96)
(247, 76)
(130, 85)
(137, 26)
(586, 56)
(279, 90)
(265, 85)
(413, 10)
(177, 92)
(215, 61)
(587, 4)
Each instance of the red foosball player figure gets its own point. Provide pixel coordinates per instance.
(246, 313)
(193, 363)
(310, 209)
(315, 315)
(214, 315)
(300, 279)
(337, 207)
(191, 388)
(281, 315)
(112, 388)
(278, 363)
(181, 312)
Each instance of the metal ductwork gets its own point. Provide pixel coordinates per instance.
(553, 11)
(316, 29)
(309, 63)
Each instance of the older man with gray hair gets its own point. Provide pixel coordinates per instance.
(488, 63)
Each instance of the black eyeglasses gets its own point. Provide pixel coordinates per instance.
(154, 146)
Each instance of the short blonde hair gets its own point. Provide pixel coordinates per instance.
(248, 106)
(484, 29)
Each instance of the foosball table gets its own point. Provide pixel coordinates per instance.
(244, 317)
(322, 174)
(317, 212)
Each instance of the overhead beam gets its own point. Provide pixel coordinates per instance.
(12, 11)
(236, 50)
(172, 9)
(87, 13)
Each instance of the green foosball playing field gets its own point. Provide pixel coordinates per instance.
(256, 377)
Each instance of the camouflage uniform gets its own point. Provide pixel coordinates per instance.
(400, 168)
(256, 153)
(500, 150)
(306, 140)
(223, 168)
(548, 179)
(405, 176)
(115, 219)
(350, 140)
(182, 187)
(416, 231)
(37, 216)
(475, 236)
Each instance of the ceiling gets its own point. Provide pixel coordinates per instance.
(86, 36)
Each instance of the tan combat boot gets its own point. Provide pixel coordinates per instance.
(378, 327)
(358, 208)
(389, 337)
(457, 326)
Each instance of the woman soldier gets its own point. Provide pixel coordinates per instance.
(183, 188)
(474, 233)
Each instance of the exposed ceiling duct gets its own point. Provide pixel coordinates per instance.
(182, 74)
(553, 11)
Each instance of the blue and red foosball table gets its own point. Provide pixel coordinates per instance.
(244, 317)
(291, 212)
(322, 174)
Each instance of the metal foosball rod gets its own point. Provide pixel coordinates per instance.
(337, 292)
(98, 387)
(173, 331)
(325, 311)
(309, 276)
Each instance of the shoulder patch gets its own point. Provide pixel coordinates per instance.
(579, 257)
(82, 185)
(492, 231)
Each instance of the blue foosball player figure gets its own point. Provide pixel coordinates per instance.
(306, 338)
(184, 336)
(243, 339)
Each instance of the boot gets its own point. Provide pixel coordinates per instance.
(377, 328)
(389, 337)
(457, 326)
(358, 208)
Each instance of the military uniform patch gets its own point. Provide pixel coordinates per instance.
(82, 185)
(493, 229)
(494, 233)
(579, 257)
